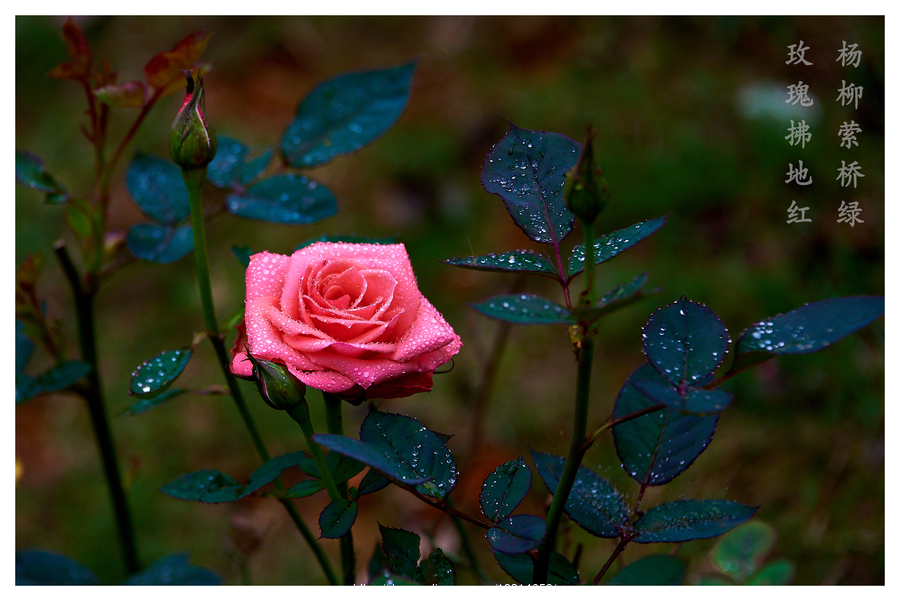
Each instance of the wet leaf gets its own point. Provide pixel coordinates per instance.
(518, 261)
(520, 567)
(157, 187)
(527, 169)
(740, 552)
(156, 375)
(504, 489)
(436, 569)
(523, 309)
(609, 245)
(344, 114)
(619, 297)
(160, 243)
(401, 549)
(655, 570)
(679, 521)
(517, 534)
(337, 518)
(687, 399)
(31, 174)
(175, 570)
(203, 485)
(143, 405)
(288, 199)
(233, 165)
(373, 481)
(37, 567)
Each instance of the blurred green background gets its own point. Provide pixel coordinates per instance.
(691, 120)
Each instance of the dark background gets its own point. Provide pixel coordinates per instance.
(691, 120)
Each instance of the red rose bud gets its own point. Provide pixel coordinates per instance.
(192, 142)
(588, 194)
(277, 386)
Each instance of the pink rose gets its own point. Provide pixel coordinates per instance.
(343, 318)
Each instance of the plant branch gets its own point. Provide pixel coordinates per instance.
(618, 550)
(335, 425)
(612, 423)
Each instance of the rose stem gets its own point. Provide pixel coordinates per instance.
(579, 425)
(335, 425)
(193, 180)
(93, 394)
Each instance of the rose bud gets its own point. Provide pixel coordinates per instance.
(192, 142)
(587, 194)
(277, 386)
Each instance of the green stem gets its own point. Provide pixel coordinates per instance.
(334, 422)
(310, 539)
(84, 304)
(612, 423)
(589, 294)
(300, 414)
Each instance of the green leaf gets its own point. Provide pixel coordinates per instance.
(175, 570)
(270, 470)
(30, 173)
(679, 521)
(337, 518)
(807, 329)
(655, 448)
(160, 243)
(774, 573)
(401, 549)
(523, 309)
(619, 297)
(527, 169)
(157, 187)
(304, 488)
(342, 115)
(233, 167)
(685, 342)
(203, 485)
(520, 567)
(389, 466)
(504, 489)
(56, 378)
(373, 481)
(388, 579)
(24, 348)
(685, 399)
(44, 568)
(593, 503)
(155, 376)
(656, 570)
(342, 467)
(243, 254)
(436, 569)
(518, 261)
(609, 245)
(143, 405)
(26, 388)
(740, 552)
(517, 534)
(289, 199)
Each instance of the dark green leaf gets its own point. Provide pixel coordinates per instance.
(142, 405)
(378, 564)
(344, 114)
(160, 243)
(392, 467)
(337, 518)
(504, 489)
(305, 489)
(609, 245)
(520, 567)
(270, 470)
(388, 579)
(62, 375)
(517, 534)
(527, 169)
(658, 570)
(523, 309)
(774, 573)
(349, 238)
(593, 503)
(289, 199)
(617, 298)
(233, 166)
(373, 481)
(655, 448)
(243, 254)
(24, 348)
(26, 388)
(30, 173)
(436, 569)
(175, 570)
(401, 548)
(45, 568)
(342, 467)
(201, 485)
(807, 329)
(155, 376)
(685, 342)
(518, 261)
(686, 400)
(157, 187)
(740, 552)
(679, 521)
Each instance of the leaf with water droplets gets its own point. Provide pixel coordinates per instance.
(807, 329)
(619, 297)
(233, 166)
(201, 485)
(289, 199)
(656, 447)
(31, 174)
(685, 342)
(520, 567)
(160, 243)
(518, 261)
(655, 570)
(35, 567)
(436, 569)
(155, 375)
(337, 518)
(679, 521)
(593, 503)
(686, 399)
(401, 550)
(175, 569)
(504, 489)
(523, 309)
(143, 405)
(157, 187)
(343, 114)
(527, 169)
(517, 533)
(740, 552)
(609, 245)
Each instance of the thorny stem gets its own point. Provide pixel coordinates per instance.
(335, 425)
(619, 548)
(93, 393)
